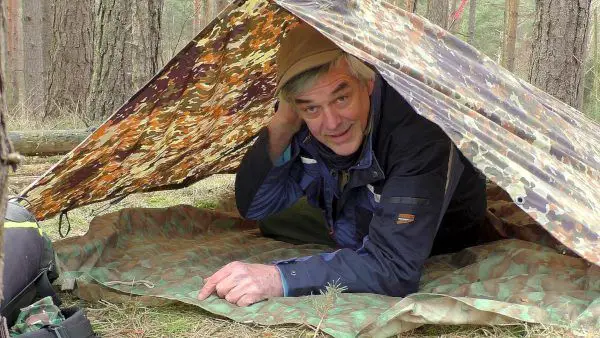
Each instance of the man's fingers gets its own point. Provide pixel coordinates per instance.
(226, 285)
(223, 272)
(247, 300)
(235, 294)
(207, 290)
(213, 281)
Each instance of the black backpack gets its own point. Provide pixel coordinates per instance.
(29, 265)
(29, 270)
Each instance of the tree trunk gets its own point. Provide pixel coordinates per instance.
(411, 6)
(46, 142)
(27, 55)
(111, 83)
(596, 88)
(126, 39)
(145, 27)
(14, 50)
(198, 11)
(454, 6)
(213, 9)
(33, 57)
(472, 18)
(510, 34)
(561, 34)
(205, 13)
(47, 18)
(437, 12)
(4, 47)
(70, 55)
(202, 16)
(5, 148)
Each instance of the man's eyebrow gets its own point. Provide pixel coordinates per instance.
(340, 87)
(301, 101)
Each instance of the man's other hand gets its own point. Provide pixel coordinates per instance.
(286, 117)
(243, 284)
(282, 127)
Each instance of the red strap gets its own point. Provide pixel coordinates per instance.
(456, 15)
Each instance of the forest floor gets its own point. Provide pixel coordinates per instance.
(133, 319)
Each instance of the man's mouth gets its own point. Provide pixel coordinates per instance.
(337, 137)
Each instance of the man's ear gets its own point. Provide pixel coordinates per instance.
(370, 86)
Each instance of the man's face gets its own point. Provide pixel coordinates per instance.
(336, 109)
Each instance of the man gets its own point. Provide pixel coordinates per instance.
(389, 182)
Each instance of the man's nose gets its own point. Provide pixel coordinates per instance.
(331, 119)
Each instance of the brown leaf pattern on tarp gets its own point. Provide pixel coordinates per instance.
(194, 119)
(200, 113)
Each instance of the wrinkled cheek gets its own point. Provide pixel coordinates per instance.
(357, 135)
(314, 127)
(358, 129)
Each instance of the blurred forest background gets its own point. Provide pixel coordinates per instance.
(71, 63)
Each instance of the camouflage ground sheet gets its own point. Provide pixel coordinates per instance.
(166, 253)
(36, 316)
(200, 113)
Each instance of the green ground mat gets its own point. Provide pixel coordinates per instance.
(165, 253)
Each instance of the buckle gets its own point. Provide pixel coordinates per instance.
(58, 331)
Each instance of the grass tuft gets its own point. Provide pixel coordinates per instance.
(24, 118)
(323, 305)
(211, 205)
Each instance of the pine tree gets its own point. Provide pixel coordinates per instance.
(559, 50)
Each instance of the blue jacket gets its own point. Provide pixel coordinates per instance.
(409, 175)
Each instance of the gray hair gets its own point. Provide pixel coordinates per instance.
(306, 79)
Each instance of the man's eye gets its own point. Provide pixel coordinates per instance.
(342, 99)
(310, 110)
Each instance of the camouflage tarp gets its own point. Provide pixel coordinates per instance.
(36, 316)
(166, 252)
(199, 114)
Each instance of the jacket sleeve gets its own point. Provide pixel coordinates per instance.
(262, 187)
(401, 233)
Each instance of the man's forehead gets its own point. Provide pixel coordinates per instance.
(326, 85)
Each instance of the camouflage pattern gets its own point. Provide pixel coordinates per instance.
(37, 315)
(199, 114)
(166, 253)
(194, 119)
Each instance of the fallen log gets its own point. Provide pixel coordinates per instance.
(47, 142)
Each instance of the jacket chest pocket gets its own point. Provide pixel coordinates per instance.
(409, 201)
(391, 207)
